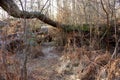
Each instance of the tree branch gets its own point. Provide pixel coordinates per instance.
(12, 9)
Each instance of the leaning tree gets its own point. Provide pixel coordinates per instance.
(12, 9)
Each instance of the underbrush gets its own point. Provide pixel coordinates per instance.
(83, 64)
(74, 64)
(11, 63)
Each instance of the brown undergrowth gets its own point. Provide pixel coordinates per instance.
(10, 63)
(83, 64)
(74, 64)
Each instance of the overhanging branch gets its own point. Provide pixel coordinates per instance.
(12, 9)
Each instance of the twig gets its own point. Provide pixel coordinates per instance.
(115, 50)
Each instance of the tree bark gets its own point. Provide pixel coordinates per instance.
(12, 9)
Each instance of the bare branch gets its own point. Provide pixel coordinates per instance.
(13, 10)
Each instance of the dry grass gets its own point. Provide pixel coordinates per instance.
(93, 65)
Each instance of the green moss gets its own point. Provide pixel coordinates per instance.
(69, 28)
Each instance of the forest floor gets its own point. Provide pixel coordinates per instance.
(57, 64)
(43, 68)
(50, 62)
(40, 68)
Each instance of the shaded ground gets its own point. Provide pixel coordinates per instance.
(80, 64)
(42, 68)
